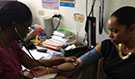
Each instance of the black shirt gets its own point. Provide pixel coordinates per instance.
(114, 66)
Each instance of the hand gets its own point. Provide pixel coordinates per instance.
(67, 66)
(70, 59)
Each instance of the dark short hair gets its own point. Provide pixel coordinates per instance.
(14, 12)
(125, 15)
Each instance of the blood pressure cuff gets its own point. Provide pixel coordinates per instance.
(91, 56)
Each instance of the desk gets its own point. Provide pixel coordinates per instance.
(38, 55)
(44, 55)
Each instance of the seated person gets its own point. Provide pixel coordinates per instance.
(15, 18)
(118, 52)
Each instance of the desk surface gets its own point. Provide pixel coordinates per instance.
(38, 55)
(45, 55)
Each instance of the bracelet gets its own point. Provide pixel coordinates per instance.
(75, 63)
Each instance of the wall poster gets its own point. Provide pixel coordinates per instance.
(50, 4)
(67, 3)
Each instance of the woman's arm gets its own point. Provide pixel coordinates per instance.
(91, 56)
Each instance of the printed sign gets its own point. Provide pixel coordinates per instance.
(67, 3)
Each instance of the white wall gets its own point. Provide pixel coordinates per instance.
(80, 7)
(67, 13)
(115, 4)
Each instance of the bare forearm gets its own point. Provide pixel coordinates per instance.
(29, 63)
(53, 61)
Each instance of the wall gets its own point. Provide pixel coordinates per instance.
(80, 7)
(41, 13)
(115, 4)
(76, 27)
(110, 6)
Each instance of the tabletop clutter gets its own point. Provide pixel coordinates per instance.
(61, 40)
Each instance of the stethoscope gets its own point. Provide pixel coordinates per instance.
(23, 43)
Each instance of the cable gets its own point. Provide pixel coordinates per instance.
(23, 43)
(101, 15)
(92, 8)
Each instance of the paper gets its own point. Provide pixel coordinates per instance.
(38, 55)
